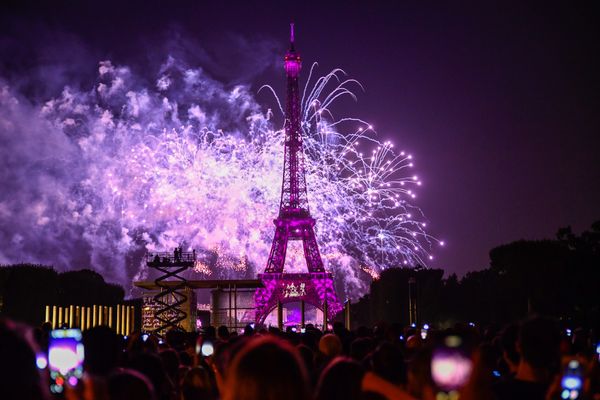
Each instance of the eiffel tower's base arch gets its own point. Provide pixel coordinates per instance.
(314, 288)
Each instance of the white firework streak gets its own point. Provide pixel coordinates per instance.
(165, 177)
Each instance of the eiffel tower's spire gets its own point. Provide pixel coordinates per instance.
(293, 194)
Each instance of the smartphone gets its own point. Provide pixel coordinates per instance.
(572, 381)
(207, 349)
(451, 364)
(65, 358)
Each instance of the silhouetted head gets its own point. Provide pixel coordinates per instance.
(101, 350)
(308, 357)
(266, 369)
(224, 353)
(185, 359)
(248, 330)
(197, 384)
(342, 379)
(176, 339)
(129, 385)
(223, 332)
(414, 343)
(210, 332)
(539, 342)
(360, 348)
(151, 366)
(330, 345)
(388, 362)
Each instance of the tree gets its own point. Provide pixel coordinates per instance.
(26, 289)
(86, 288)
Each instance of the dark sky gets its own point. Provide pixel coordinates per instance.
(498, 103)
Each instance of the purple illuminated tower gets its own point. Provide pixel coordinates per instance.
(294, 221)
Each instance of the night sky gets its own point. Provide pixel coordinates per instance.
(499, 104)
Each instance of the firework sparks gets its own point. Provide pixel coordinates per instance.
(155, 170)
(372, 273)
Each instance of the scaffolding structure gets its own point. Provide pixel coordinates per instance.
(169, 312)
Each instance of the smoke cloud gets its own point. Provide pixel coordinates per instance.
(70, 133)
(102, 161)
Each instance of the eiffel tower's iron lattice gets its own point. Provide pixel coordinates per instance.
(294, 221)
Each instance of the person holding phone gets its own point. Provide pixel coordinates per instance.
(20, 375)
(538, 346)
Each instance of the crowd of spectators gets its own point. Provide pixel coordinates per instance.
(520, 361)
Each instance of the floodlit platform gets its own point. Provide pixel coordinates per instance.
(205, 284)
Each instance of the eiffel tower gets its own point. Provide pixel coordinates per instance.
(294, 221)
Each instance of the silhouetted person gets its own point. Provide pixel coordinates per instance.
(266, 369)
(341, 380)
(210, 332)
(129, 385)
(20, 378)
(360, 348)
(248, 330)
(151, 366)
(387, 362)
(170, 361)
(102, 347)
(176, 338)
(508, 343)
(538, 346)
(223, 332)
(308, 356)
(197, 385)
(330, 346)
(185, 359)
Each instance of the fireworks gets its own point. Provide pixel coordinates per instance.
(193, 162)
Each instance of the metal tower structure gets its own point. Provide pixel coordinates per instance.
(171, 296)
(294, 221)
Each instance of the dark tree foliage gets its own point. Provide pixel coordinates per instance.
(26, 289)
(557, 277)
(86, 288)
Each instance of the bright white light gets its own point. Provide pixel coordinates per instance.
(450, 371)
(207, 349)
(41, 361)
(62, 359)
